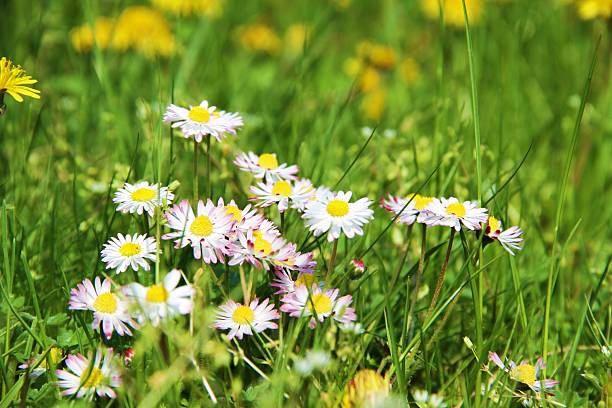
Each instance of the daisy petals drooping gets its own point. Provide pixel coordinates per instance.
(265, 166)
(450, 212)
(84, 378)
(510, 239)
(122, 252)
(202, 120)
(140, 197)
(412, 206)
(242, 319)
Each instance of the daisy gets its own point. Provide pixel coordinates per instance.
(206, 231)
(525, 373)
(245, 219)
(161, 301)
(260, 248)
(423, 399)
(285, 283)
(202, 120)
(509, 239)
(334, 213)
(290, 258)
(55, 355)
(241, 319)
(283, 192)
(140, 197)
(109, 310)
(14, 81)
(85, 378)
(121, 252)
(318, 303)
(265, 166)
(415, 204)
(452, 213)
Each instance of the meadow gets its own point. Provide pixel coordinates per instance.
(315, 203)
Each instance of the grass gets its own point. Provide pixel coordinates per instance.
(512, 110)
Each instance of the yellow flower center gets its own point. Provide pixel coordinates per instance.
(456, 209)
(320, 303)
(420, 202)
(143, 194)
(157, 294)
(337, 208)
(493, 224)
(105, 303)
(282, 188)
(234, 212)
(243, 315)
(93, 378)
(305, 279)
(129, 249)
(201, 226)
(262, 245)
(199, 114)
(268, 161)
(524, 373)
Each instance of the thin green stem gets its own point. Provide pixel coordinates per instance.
(332, 259)
(196, 149)
(417, 280)
(440, 280)
(209, 190)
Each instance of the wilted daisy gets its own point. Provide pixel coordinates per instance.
(450, 212)
(286, 284)
(110, 311)
(509, 239)
(241, 319)
(318, 303)
(85, 378)
(415, 205)
(140, 197)
(366, 389)
(14, 81)
(334, 213)
(525, 373)
(55, 355)
(122, 252)
(162, 300)
(284, 193)
(206, 231)
(202, 120)
(265, 166)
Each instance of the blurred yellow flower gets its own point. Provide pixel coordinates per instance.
(409, 70)
(590, 9)
(259, 37)
(83, 38)
(369, 79)
(295, 38)
(373, 104)
(209, 8)
(366, 389)
(453, 10)
(14, 81)
(352, 66)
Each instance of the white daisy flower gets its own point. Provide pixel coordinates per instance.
(122, 252)
(450, 212)
(140, 197)
(265, 166)
(260, 248)
(85, 378)
(313, 360)
(334, 213)
(110, 311)
(285, 283)
(161, 301)
(202, 120)
(509, 239)
(425, 400)
(241, 319)
(319, 304)
(246, 219)
(525, 373)
(55, 355)
(415, 205)
(283, 193)
(206, 231)
(290, 258)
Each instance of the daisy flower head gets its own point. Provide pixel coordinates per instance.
(423, 399)
(109, 310)
(85, 378)
(290, 258)
(206, 230)
(162, 300)
(122, 252)
(260, 248)
(318, 303)
(415, 205)
(286, 284)
(334, 213)
(242, 319)
(14, 81)
(55, 355)
(450, 212)
(140, 197)
(265, 166)
(284, 193)
(510, 239)
(245, 219)
(525, 373)
(203, 120)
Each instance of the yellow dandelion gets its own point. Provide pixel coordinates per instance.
(409, 70)
(382, 56)
(83, 38)
(209, 8)
(295, 38)
(259, 37)
(453, 10)
(369, 79)
(367, 388)
(373, 104)
(590, 9)
(14, 81)
(145, 30)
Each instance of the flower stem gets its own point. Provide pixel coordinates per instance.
(209, 192)
(417, 279)
(440, 281)
(195, 171)
(332, 259)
